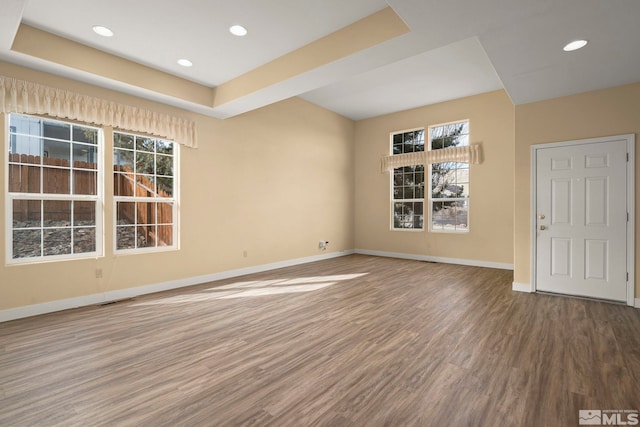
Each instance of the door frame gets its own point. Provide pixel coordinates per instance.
(630, 140)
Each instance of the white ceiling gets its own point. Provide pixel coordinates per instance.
(454, 71)
(159, 32)
(455, 48)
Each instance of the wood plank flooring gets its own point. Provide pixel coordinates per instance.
(352, 341)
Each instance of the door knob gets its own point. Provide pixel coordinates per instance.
(541, 216)
(542, 227)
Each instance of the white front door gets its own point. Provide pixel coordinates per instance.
(581, 219)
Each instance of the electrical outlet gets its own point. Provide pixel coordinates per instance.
(245, 253)
(323, 244)
(98, 273)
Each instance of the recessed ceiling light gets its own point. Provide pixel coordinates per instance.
(238, 30)
(185, 62)
(103, 31)
(575, 45)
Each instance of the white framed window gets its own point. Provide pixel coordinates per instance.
(145, 193)
(407, 183)
(449, 195)
(54, 190)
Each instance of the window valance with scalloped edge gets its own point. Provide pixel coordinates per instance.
(467, 154)
(20, 96)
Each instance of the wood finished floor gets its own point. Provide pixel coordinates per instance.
(352, 341)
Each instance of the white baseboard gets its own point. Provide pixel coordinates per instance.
(471, 262)
(521, 287)
(83, 301)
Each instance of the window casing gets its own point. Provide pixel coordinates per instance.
(407, 185)
(449, 195)
(145, 200)
(54, 190)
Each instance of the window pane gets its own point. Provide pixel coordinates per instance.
(451, 135)
(418, 140)
(459, 165)
(165, 213)
(462, 140)
(462, 215)
(85, 156)
(409, 178)
(436, 221)
(24, 179)
(56, 181)
(123, 184)
(165, 235)
(409, 193)
(145, 163)
(84, 240)
(164, 165)
(145, 144)
(125, 237)
(56, 213)
(145, 186)
(409, 215)
(26, 243)
(123, 141)
(26, 149)
(84, 213)
(27, 214)
(444, 215)
(465, 128)
(165, 186)
(122, 161)
(418, 208)
(465, 189)
(164, 147)
(126, 213)
(57, 241)
(397, 177)
(452, 129)
(145, 237)
(146, 213)
(408, 142)
(85, 134)
(443, 181)
(26, 124)
(85, 182)
(397, 215)
(56, 153)
(58, 130)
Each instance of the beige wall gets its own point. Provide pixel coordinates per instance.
(594, 114)
(273, 182)
(490, 238)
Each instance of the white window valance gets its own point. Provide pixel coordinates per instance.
(466, 154)
(20, 96)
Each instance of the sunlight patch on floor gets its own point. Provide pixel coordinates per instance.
(257, 288)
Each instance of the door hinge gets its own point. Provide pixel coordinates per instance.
(627, 157)
(627, 276)
(627, 216)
